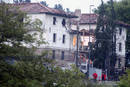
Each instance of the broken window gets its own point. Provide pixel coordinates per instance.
(120, 30)
(62, 55)
(120, 47)
(53, 54)
(63, 40)
(63, 22)
(54, 20)
(54, 37)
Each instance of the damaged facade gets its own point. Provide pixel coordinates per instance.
(56, 27)
(89, 22)
(60, 32)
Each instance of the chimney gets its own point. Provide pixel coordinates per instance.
(78, 13)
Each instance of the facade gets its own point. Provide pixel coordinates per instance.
(121, 44)
(87, 25)
(56, 27)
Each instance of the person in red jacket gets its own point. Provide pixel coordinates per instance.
(103, 76)
(95, 76)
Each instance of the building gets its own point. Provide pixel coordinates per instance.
(56, 27)
(87, 26)
(86, 22)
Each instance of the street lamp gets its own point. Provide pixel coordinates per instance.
(89, 39)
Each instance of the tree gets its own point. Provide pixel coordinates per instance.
(15, 32)
(105, 46)
(58, 6)
(122, 14)
(68, 10)
(122, 11)
(21, 1)
(125, 79)
(44, 3)
(29, 70)
(28, 1)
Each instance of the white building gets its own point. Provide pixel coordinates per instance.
(56, 29)
(86, 22)
(89, 21)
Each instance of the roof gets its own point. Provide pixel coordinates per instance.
(92, 19)
(120, 23)
(88, 18)
(39, 8)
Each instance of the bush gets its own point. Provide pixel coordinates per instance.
(125, 79)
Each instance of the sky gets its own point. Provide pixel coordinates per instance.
(84, 5)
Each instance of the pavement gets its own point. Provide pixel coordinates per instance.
(108, 83)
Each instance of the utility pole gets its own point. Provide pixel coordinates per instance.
(77, 43)
(113, 36)
(89, 40)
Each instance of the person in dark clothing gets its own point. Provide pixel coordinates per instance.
(103, 76)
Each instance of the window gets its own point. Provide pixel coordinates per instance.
(63, 22)
(62, 55)
(120, 30)
(63, 40)
(54, 37)
(120, 47)
(119, 63)
(54, 20)
(53, 54)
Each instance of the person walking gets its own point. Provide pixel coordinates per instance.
(103, 76)
(95, 76)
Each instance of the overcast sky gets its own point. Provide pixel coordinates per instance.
(73, 4)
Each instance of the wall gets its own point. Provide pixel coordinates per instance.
(120, 54)
(60, 30)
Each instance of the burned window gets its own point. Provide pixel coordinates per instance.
(81, 33)
(54, 20)
(120, 30)
(54, 37)
(120, 47)
(53, 54)
(62, 55)
(63, 22)
(63, 40)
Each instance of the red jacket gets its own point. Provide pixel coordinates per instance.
(95, 75)
(103, 77)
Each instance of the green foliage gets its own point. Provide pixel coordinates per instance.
(125, 79)
(58, 6)
(21, 1)
(15, 32)
(44, 3)
(104, 45)
(121, 10)
(22, 74)
(34, 74)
